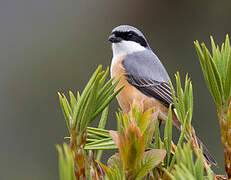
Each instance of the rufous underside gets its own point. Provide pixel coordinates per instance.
(129, 93)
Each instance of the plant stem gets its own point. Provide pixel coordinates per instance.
(224, 114)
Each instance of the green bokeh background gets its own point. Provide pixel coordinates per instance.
(48, 46)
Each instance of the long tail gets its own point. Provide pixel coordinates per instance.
(210, 159)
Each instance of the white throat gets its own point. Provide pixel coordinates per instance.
(124, 48)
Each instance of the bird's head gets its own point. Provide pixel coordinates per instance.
(127, 39)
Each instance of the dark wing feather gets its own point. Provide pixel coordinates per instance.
(151, 88)
(147, 74)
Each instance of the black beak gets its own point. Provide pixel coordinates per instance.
(112, 38)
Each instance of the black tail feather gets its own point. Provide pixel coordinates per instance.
(210, 159)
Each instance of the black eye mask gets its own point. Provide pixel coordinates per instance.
(131, 36)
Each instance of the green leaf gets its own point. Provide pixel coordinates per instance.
(131, 145)
(185, 166)
(101, 142)
(109, 172)
(115, 164)
(88, 108)
(216, 70)
(147, 121)
(157, 143)
(98, 131)
(66, 163)
(178, 112)
(168, 134)
(72, 100)
(210, 174)
(213, 76)
(105, 103)
(65, 111)
(78, 96)
(199, 167)
(114, 161)
(186, 93)
(150, 160)
(106, 91)
(228, 80)
(186, 173)
(214, 51)
(80, 110)
(180, 94)
(190, 102)
(103, 118)
(225, 53)
(181, 138)
(102, 80)
(83, 99)
(119, 117)
(61, 163)
(104, 144)
(202, 62)
(101, 125)
(67, 105)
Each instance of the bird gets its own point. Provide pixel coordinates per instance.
(143, 76)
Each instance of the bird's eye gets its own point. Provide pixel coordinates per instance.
(130, 35)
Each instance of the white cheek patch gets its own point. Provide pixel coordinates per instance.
(124, 48)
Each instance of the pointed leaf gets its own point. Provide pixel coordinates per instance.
(214, 78)
(109, 172)
(103, 118)
(72, 100)
(103, 77)
(168, 134)
(105, 103)
(202, 62)
(150, 160)
(115, 137)
(157, 143)
(106, 91)
(228, 80)
(82, 101)
(65, 111)
(199, 168)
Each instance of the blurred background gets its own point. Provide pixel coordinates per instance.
(48, 46)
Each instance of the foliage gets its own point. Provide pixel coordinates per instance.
(66, 163)
(78, 113)
(133, 162)
(185, 166)
(217, 73)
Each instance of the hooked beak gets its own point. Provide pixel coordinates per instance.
(112, 38)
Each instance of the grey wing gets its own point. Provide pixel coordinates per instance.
(148, 75)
